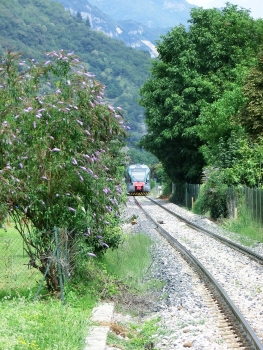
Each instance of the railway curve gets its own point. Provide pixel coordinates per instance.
(236, 324)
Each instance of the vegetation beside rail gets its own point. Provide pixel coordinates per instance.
(203, 102)
(46, 324)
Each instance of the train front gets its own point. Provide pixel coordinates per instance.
(138, 179)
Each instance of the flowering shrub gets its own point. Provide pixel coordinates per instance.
(59, 156)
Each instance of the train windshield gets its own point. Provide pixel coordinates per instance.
(138, 175)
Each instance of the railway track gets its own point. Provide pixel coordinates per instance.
(235, 325)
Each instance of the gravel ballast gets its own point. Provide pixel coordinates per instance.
(185, 319)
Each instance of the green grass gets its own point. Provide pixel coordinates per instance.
(130, 262)
(135, 336)
(45, 325)
(15, 274)
(247, 228)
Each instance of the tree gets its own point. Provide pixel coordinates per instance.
(251, 115)
(169, 98)
(87, 22)
(79, 17)
(59, 158)
(194, 69)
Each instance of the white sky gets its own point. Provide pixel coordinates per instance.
(255, 6)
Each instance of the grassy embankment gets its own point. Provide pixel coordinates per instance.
(46, 324)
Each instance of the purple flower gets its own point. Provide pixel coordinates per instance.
(92, 254)
(88, 232)
(100, 237)
(44, 177)
(55, 149)
(28, 109)
(87, 132)
(79, 122)
(105, 245)
(72, 209)
(109, 209)
(74, 161)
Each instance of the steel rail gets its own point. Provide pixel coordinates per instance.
(246, 251)
(241, 326)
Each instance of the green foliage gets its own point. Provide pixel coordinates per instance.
(178, 197)
(139, 337)
(194, 93)
(251, 114)
(130, 262)
(34, 27)
(139, 156)
(59, 145)
(41, 325)
(212, 196)
(15, 276)
(248, 229)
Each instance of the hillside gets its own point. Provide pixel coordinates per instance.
(138, 23)
(34, 27)
(157, 13)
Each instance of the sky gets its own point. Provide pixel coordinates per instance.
(255, 6)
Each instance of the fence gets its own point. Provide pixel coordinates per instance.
(191, 194)
(249, 198)
(16, 273)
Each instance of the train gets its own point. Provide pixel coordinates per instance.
(137, 178)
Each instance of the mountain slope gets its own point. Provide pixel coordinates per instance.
(34, 27)
(133, 22)
(157, 13)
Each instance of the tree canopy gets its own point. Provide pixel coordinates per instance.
(194, 92)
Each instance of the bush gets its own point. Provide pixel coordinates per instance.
(212, 196)
(60, 164)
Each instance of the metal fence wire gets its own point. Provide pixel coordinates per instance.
(244, 198)
(16, 273)
(238, 198)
